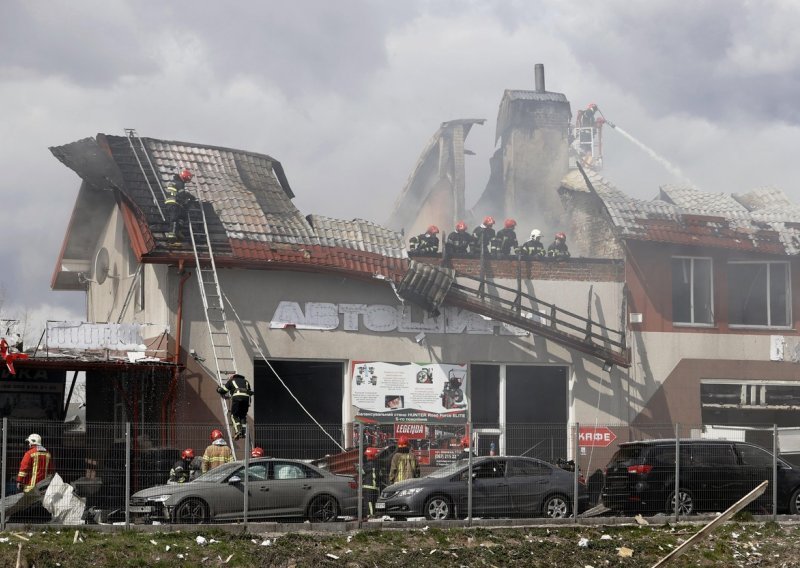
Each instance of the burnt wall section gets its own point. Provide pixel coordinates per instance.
(589, 229)
(532, 159)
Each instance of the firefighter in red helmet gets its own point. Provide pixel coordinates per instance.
(426, 244)
(404, 463)
(257, 453)
(217, 452)
(558, 248)
(371, 482)
(505, 240)
(182, 471)
(176, 202)
(482, 236)
(459, 241)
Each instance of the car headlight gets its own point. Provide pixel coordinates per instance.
(159, 498)
(409, 492)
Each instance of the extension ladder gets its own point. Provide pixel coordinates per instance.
(213, 307)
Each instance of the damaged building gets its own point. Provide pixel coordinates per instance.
(678, 309)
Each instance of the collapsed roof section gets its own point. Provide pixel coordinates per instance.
(434, 192)
(763, 220)
(247, 200)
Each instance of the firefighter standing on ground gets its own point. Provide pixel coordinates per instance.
(238, 389)
(175, 202)
(35, 472)
(426, 243)
(183, 471)
(217, 452)
(371, 479)
(558, 248)
(404, 463)
(459, 241)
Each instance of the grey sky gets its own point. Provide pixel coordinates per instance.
(347, 93)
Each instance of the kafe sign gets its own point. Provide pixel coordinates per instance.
(383, 318)
(596, 436)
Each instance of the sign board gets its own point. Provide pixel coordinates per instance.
(408, 430)
(430, 393)
(83, 335)
(596, 436)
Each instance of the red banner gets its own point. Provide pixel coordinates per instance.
(596, 436)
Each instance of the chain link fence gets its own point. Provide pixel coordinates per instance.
(111, 473)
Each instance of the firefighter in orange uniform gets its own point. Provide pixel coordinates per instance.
(35, 472)
(217, 453)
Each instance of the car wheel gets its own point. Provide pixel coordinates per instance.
(438, 508)
(685, 503)
(191, 511)
(556, 507)
(323, 509)
(794, 503)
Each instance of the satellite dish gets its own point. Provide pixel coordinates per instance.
(101, 266)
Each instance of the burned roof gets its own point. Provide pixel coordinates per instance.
(686, 216)
(246, 199)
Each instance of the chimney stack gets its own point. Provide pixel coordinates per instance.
(539, 71)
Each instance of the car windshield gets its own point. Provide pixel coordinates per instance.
(215, 475)
(448, 470)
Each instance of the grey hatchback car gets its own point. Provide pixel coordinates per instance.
(277, 488)
(501, 487)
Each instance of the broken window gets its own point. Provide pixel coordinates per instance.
(759, 293)
(692, 297)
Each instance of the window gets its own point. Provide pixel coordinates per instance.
(692, 298)
(288, 471)
(759, 293)
(713, 454)
(254, 472)
(524, 468)
(487, 470)
(751, 455)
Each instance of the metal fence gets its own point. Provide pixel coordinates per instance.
(109, 473)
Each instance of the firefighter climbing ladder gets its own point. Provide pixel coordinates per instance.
(207, 278)
(213, 307)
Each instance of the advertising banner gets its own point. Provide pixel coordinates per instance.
(431, 393)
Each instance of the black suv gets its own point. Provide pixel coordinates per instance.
(714, 474)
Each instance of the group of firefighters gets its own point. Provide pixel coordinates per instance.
(484, 241)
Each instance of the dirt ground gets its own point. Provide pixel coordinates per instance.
(735, 544)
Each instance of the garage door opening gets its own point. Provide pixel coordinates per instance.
(282, 427)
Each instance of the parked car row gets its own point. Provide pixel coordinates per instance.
(640, 478)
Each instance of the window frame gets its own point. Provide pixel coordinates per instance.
(692, 323)
(787, 283)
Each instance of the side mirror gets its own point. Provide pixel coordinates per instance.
(234, 479)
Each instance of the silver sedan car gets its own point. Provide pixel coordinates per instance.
(277, 488)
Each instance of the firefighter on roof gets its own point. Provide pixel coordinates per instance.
(558, 248)
(459, 241)
(238, 389)
(425, 244)
(482, 235)
(505, 240)
(532, 248)
(217, 452)
(176, 201)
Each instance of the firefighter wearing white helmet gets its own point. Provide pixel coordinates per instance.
(532, 248)
(35, 472)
